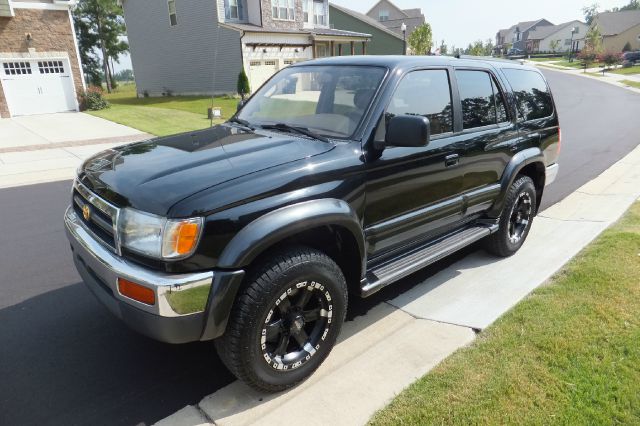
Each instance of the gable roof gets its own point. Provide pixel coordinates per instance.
(547, 30)
(366, 19)
(612, 23)
(413, 13)
(391, 4)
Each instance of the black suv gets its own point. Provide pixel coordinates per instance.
(338, 176)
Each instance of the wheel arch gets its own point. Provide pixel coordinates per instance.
(329, 225)
(529, 162)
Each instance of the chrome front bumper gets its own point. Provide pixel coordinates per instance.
(178, 314)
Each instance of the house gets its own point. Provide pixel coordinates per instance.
(618, 29)
(392, 17)
(517, 35)
(383, 40)
(567, 36)
(194, 47)
(40, 68)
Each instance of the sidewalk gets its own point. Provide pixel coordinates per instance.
(50, 147)
(398, 341)
(611, 78)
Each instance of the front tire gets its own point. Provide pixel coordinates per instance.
(516, 219)
(285, 320)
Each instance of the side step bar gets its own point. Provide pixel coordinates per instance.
(395, 269)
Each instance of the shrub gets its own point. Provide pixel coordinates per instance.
(93, 100)
(610, 58)
(586, 57)
(627, 47)
(243, 84)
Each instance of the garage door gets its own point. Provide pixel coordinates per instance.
(37, 86)
(261, 71)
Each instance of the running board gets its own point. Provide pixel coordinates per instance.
(395, 269)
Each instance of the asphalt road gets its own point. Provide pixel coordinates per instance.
(65, 360)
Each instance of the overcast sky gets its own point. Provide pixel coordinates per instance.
(459, 22)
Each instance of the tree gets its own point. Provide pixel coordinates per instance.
(554, 45)
(633, 5)
(420, 40)
(243, 84)
(590, 12)
(488, 47)
(443, 48)
(476, 48)
(100, 26)
(593, 40)
(123, 75)
(587, 56)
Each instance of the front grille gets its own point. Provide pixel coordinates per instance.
(102, 216)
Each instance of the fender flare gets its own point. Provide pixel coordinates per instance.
(515, 165)
(287, 221)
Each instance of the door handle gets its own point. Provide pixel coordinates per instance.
(451, 160)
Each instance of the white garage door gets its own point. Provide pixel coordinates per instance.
(37, 86)
(261, 71)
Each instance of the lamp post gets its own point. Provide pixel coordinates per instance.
(403, 28)
(573, 31)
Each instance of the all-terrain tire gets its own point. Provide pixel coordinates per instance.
(521, 198)
(284, 278)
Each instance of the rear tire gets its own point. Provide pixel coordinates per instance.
(285, 319)
(516, 219)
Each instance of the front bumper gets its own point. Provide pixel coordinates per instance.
(188, 307)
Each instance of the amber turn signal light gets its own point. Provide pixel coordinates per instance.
(136, 291)
(181, 238)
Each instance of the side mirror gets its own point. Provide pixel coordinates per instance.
(408, 130)
(241, 103)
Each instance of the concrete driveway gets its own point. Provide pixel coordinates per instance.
(46, 129)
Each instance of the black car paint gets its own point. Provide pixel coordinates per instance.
(246, 183)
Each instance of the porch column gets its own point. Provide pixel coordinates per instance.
(364, 47)
(313, 49)
(339, 49)
(353, 48)
(333, 48)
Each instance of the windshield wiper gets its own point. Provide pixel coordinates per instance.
(242, 122)
(288, 128)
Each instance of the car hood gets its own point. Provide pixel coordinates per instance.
(154, 175)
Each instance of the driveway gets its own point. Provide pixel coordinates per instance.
(51, 129)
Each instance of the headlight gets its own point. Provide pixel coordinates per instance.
(158, 237)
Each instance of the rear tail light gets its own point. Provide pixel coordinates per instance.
(136, 291)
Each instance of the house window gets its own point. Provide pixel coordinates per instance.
(17, 68)
(173, 17)
(270, 63)
(283, 9)
(567, 42)
(233, 10)
(383, 15)
(50, 67)
(288, 62)
(319, 13)
(576, 30)
(255, 63)
(305, 9)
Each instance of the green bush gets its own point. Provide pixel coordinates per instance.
(243, 84)
(93, 100)
(610, 58)
(627, 47)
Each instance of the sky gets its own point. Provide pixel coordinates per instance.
(460, 22)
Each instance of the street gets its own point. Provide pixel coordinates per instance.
(65, 360)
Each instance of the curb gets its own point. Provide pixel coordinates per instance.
(603, 79)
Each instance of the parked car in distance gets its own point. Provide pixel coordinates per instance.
(338, 177)
(514, 51)
(630, 59)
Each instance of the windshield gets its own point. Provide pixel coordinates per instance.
(328, 100)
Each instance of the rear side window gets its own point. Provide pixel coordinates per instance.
(476, 96)
(532, 95)
(426, 93)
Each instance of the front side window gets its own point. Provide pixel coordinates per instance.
(283, 9)
(426, 93)
(329, 100)
(532, 94)
(173, 17)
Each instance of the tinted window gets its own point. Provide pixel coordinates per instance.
(425, 93)
(476, 96)
(501, 108)
(532, 95)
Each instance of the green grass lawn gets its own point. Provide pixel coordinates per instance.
(568, 354)
(162, 115)
(545, 59)
(631, 83)
(575, 64)
(627, 71)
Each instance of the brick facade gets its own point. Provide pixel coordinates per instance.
(280, 24)
(50, 30)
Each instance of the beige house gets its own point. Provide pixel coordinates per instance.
(618, 28)
(40, 68)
